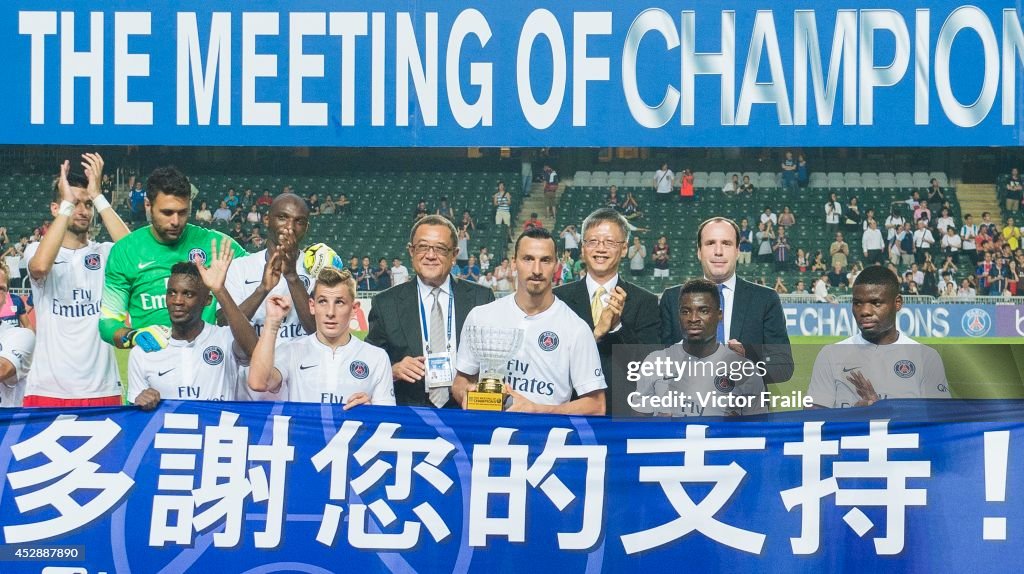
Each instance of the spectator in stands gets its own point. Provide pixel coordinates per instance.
(445, 210)
(611, 200)
(238, 234)
(868, 218)
(965, 289)
(997, 278)
(917, 274)
(661, 257)
(968, 234)
(353, 266)
(833, 210)
(852, 216)
(662, 182)
(1014, 191)
(237, 214)
(764, 237)
(563, 271)
(472, 269)
(252, 216)
(893, 223)
(313, 201)
(328, 207)
(988, 224)
(365, 279)
(732, 186)
(686, 190)
(936, 199)
(399, 272)
(746, 246)
(951, 243)
(821, 294)
(782, 250)
(981, 272)
(1011, 234)
(341, 206)
(485, 260)
(223, 214)
(873, 244)
(818, 265)
(137, 200)
(944, 221)
(502, 201)
(502, 277)
(462, 257)
(923, 241)
(839, 250)
(789, 181)
(631, 207)
(780, 287)
(533, 222)
(1012, 277)
(948, 291)
(13, 310)
(421, 210)
(906, 242)
(855, 270)
(746, 188)
(922, 213)
(787, 218)
(801, 261)
(803, 176)
(4, 239)
(247, 199)
(767, 217)
(801, 288)
(488, 281)
(255, 240)
(265, 200)
(204, 215)
(551, 190)
(231, 199)
(382, 276)
(837, 277)
(467, 221)
(1005, 254)
(911, 288)
(637, 255)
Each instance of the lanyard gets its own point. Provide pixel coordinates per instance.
(426, 329)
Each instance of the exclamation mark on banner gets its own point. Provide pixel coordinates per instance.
(997, 450)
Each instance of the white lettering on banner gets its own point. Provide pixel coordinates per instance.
(223, 485)
(66, 472)
(423, 71)
(257, 65)
(87, 64)
(539, 475)
(971, 114)
(469, 22)
(128, 65)
(585, 68)
(752, 91)
(383, 441)
(650, 20)
(699, 517)
(348, 25)
(872, 76)
(1018, 321)
(541, 23)
(838, 321)
(216, 76)
(895, 496)
(37, 25)
(807, 57)
(302, 66)
(721, 64)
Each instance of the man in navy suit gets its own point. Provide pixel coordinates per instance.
(418, 322)
(753, 324)
(618, 312)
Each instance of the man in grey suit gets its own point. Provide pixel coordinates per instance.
(618, 312)
(753, 323)
(418, 322)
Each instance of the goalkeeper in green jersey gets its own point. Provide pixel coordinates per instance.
(134, 309)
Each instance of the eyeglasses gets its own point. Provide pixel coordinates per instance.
(609, 243)
(439, 250)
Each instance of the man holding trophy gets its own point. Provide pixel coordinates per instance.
(529, 352)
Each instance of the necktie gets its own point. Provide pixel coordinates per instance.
(596, 306)
(438, 343)
(721, 307)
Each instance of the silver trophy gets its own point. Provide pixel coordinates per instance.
(493, 347)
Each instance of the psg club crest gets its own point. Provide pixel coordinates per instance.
(359, 369)
(724, 384)
(92, 261)
(213, 355)
(976, 322)
(548, 341)
(904, 369)
(305, 281)
(197, 252)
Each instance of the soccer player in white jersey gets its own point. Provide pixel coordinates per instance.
(558, 355)
(277, 270)
(73, 367)
(703, 371)
(200, 361)
(879, 362)
(16, 346)
(329, 366)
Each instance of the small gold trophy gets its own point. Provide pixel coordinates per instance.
(493, 346)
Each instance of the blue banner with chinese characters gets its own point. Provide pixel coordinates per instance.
(912, 486)
(494, 73)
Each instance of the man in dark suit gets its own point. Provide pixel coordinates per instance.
(414, 321)
(754, 325)
(618, 312)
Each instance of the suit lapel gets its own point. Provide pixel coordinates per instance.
(736, 321)
(579, 301)
(409, 306)
(462, 306)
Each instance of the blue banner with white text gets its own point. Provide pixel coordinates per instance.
(940, 319)
(912, 486)
(489, 73)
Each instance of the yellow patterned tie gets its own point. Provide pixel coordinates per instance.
(596, 306)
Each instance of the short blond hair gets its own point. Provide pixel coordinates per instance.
(332, 277)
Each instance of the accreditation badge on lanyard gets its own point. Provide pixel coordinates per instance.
(440, 365)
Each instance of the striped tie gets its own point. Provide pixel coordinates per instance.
(438, 343)
(596, 306)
